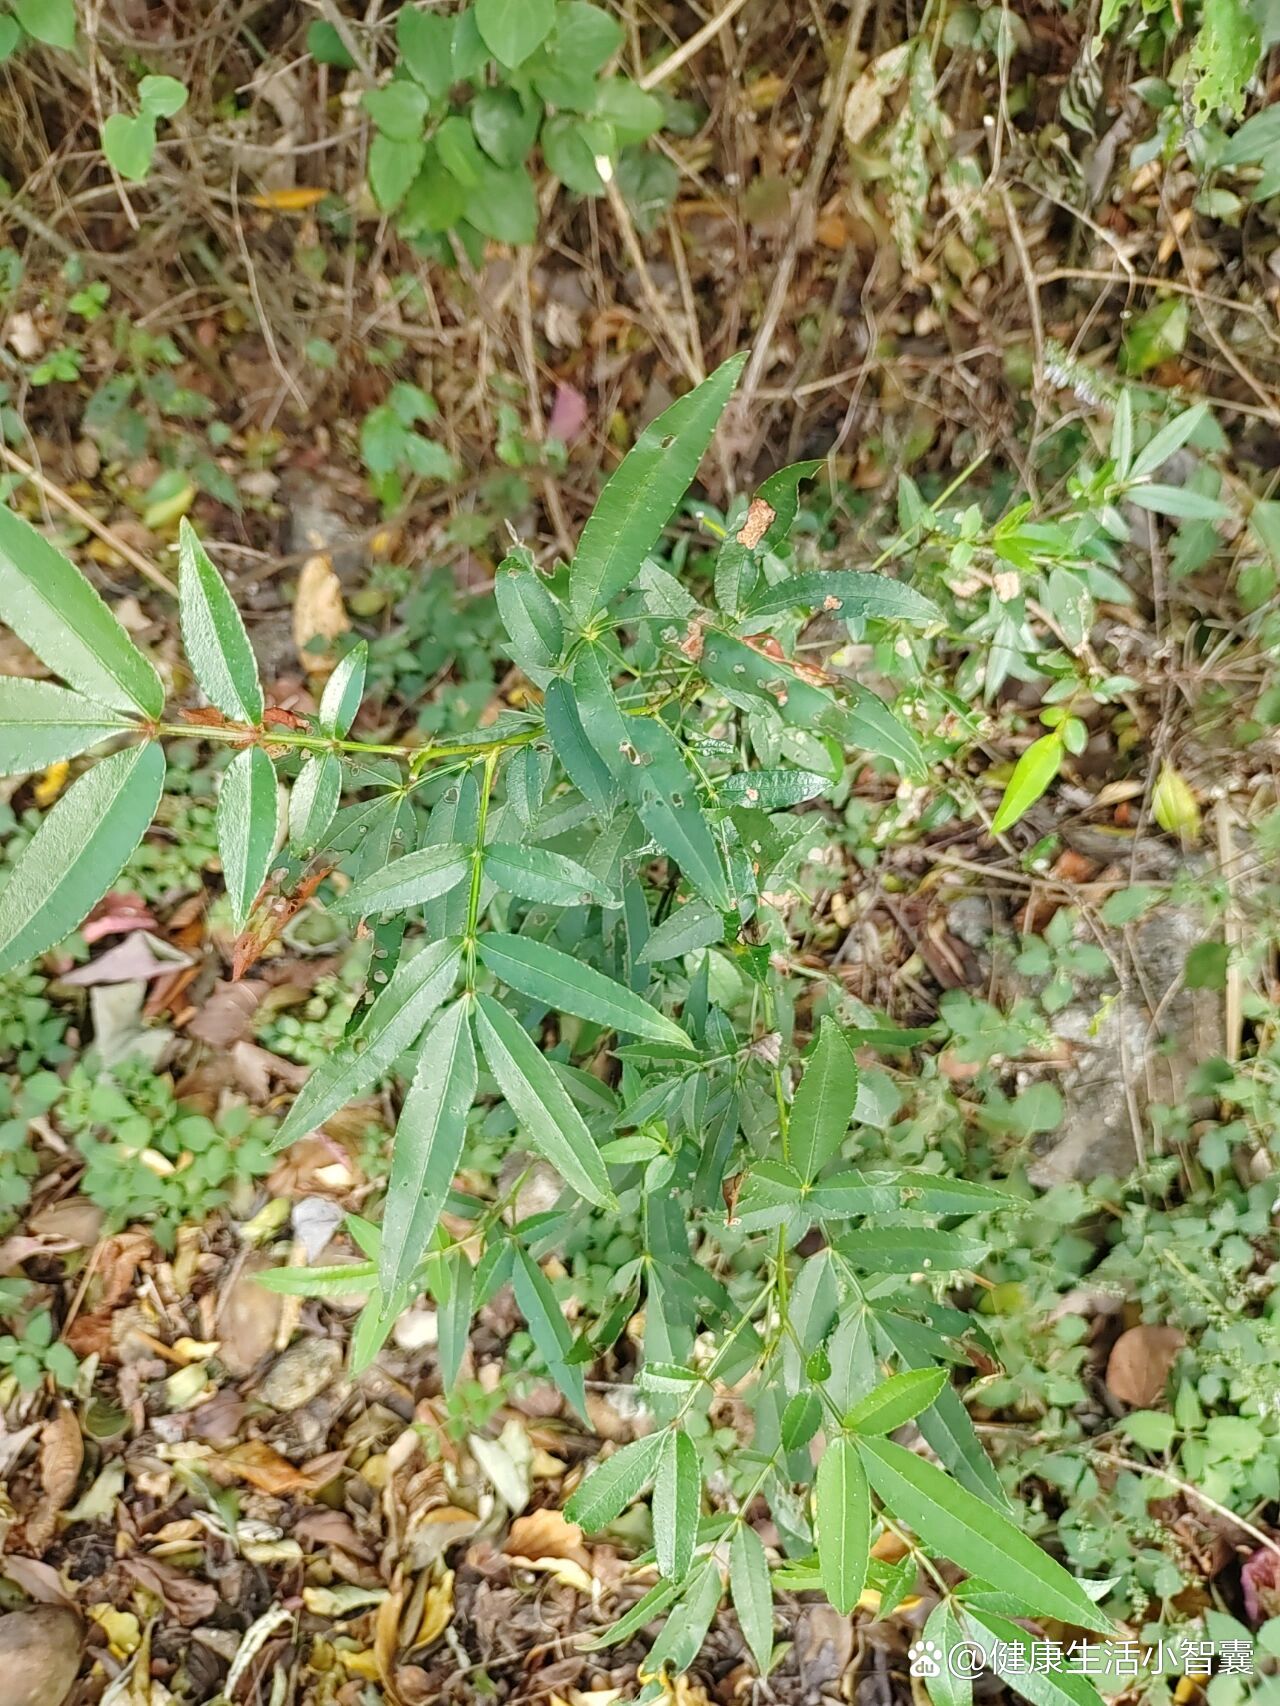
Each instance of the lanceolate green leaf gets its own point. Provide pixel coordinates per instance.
(547, 1117)
(248, 821)
(582, 763)
(848, 593)
(615, 1483)
(685, 1628)
(341, 697)
(409, 881)
(896, 1401)
(1032, 774)
(643, 491)
(537, 874)
(677, 1493)
(548, 1328)
(393, 1023)
(41, 723)
(78, 851)
(752, 1593)
(558, 980)
(824, 1103)
(313, 802)
(956, 1524)
(213, 635)
(428, 1146)
(48, 603)
(999, 1638)
(842, 1504)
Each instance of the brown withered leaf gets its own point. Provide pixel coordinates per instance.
(1139, 1364)
(189, 1600)
(760, 518)
(326, 1528)
(546, 1534)
(61, 1455)
(318, 613)
(263, 1467)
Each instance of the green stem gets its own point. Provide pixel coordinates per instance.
(305, 740)
(477, 864)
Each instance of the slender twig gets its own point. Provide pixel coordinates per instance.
(695, 44)
(68, 504)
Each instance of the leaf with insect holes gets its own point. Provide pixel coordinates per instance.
(641, 494)
(427, 1148)
(850, 594)
(677, 1494)
(752, 1593)
(824, 1103)
(52, 608)
(556, 979)
(1032, 774)
(247, 822)
(394, 1022)
(78, 851)
(548, 1328)
(537, 874)
(41, 723)
(544, 1112)
(772, 790)
(615, 1483)
(954, 1523)
(213, 634)
(842, 1507)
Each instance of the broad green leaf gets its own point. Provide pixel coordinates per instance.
(408, 881)
(41, 723)
(546, 1115)
(641, 495)
(999, 1638)
(896, 1401)
(824, 1103)
(551, 879)
(686, 1625)
(504, 204)
(213, 634)
(512, 29)
(129, 143)
(78, 851)
(1032, 774)
(162, 97)
(954, 1523)
(394, 164)
(800, 1420)
(1256, 141)
(425, 40)
(313, 801)
(581, 762)
(772, 790)
(341, 697)
(398, 109)
(615, 1483)
(248, 822)
(427, 1148)
(52, 22)
(51, 606)
(395, 1021)
(752, 1593)
(850, 594)
(842, 1507)
(572, 148)
(548, 1328)
(677, 1497)
(559, 981)
(911, 1249)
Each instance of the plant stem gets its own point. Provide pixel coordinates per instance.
(477, 865)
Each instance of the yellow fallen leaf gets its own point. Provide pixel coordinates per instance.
(319, 614)
(363, 1664)
(52, 783)
(122, 1629)
(194, 1350)
(437, 1611)
(562, 1570)
(296, 200)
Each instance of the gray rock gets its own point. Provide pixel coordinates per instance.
(301, 1374)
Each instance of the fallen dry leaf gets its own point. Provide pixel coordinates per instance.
(318, 613)
(546, 1534)
(262, 1467)
(189, 1600)
(39, 1654)
(1139, 1364)
(61, 1455)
